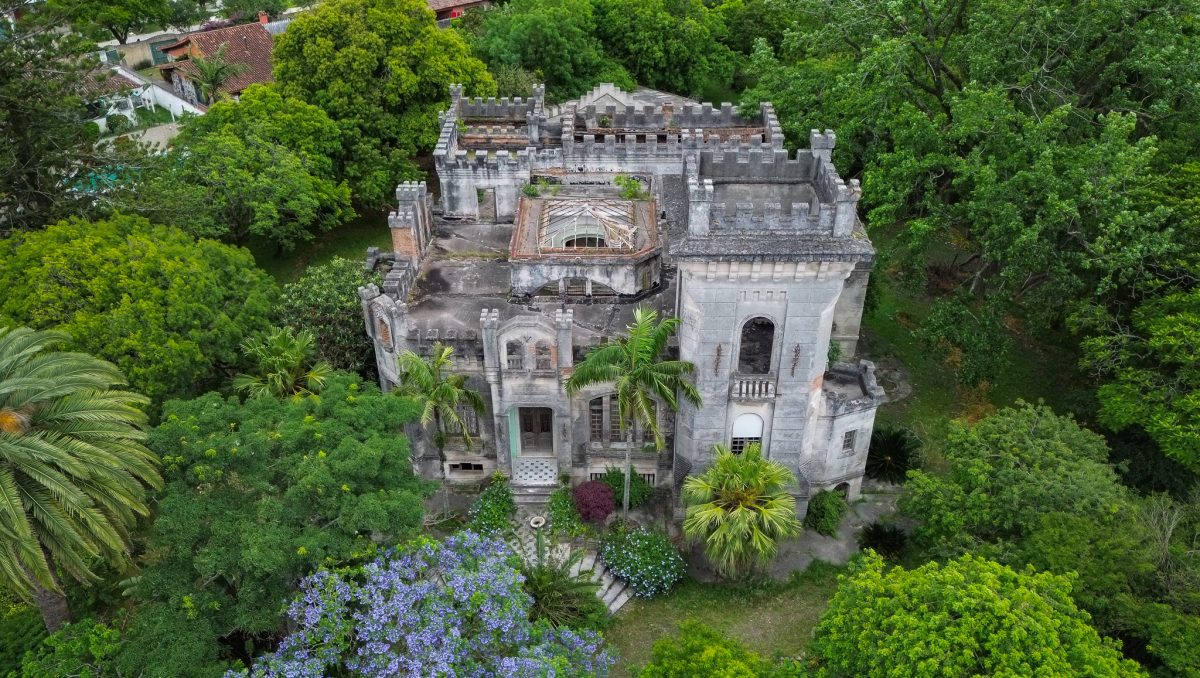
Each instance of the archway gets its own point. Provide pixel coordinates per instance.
(758, 340)
(747, 431)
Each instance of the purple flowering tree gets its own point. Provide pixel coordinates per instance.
(454, 608)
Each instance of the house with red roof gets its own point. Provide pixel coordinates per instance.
(452, 9)
(246, 44)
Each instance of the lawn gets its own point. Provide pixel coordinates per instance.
(776, 619)
(350, 240)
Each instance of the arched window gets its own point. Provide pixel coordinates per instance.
(541, 355)
(515, 355)
(747, 431)
(758, 340)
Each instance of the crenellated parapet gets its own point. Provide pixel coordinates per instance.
(411, 222)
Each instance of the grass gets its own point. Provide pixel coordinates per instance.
(152, 117)
(350, 240)
(776, 619)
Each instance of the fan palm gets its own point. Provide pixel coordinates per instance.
(740, 509)
(633, 365)
(73, 469)
(285, 365)
(212, 73)
(439, 391)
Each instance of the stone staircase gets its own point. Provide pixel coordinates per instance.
(612, 591)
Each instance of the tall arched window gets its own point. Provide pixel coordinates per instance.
(514, 355)
(747, 431)
(596, 420)
(758, 340)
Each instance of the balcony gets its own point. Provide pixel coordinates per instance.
(752, 387)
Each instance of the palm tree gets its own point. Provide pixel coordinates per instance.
(740, 509)
(634, 366)
(285, 365)
(73, 469)
(440, 392)
(211, 73)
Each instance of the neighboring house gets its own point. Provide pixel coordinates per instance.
(113, 94)
(452, 9)
(759, 252)
(248, 44)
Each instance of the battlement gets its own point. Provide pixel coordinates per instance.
(398, 282)
(564, 319)
(489, 319)
(769, 217)
(504, 108)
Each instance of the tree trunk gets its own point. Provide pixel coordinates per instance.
(628, 473)
(53, 606)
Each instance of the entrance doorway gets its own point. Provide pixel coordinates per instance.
(537, 431)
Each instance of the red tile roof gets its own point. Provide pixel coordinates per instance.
(443, 5)
(249, 44)
(108, 82)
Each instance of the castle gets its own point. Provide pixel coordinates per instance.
(554, 223)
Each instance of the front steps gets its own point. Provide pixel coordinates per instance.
(612, 591)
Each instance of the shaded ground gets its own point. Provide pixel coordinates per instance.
(350, 241)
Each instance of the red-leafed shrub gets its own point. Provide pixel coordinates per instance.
(593, 500)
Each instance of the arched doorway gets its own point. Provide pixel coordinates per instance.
(757, 344)
(747, 431)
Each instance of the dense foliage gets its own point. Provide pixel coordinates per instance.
(258, 495)
(643, 558)
(170, 311)
(564, 518)
(740, 509)
(493, 512)
(380, 70)
(892, 454)
(970, 617)
(825, 512)
(74, 471)
(261, 166)
(593, 500)
(282, 365)
(701, 651)
(639, 489)
(886, 539)
(453, 608)
(325, 301)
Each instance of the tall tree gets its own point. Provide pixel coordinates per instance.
(970, 617)
(283, 365)
(441, 393)
(325, 300)
(634, 365)
(119, 18)
(740, 508)
(50, 164)
(167, 309)
(380, 69)
(73, 468)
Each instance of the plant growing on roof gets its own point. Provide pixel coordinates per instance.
(740, 509)
(633, 365)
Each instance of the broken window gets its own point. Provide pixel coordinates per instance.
(541, 354)
(758, 339)
(515, 352)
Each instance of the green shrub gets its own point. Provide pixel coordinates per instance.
(530, 191)
(560, 510)
(639, 489)
(117, 123)
(493, 511)
(884, 538)
(825, 511)
(646, 560)
(893, 452)
(702, 651)
(560, 598)
(21, 630)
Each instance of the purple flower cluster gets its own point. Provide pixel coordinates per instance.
(452, 609)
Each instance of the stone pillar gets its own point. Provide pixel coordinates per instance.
(563, 322)
(489, 326)
(411, 222)
(846, 214)
(700, 200)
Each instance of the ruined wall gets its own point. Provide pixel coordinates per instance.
(847, 316)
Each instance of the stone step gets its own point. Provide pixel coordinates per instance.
(606, 580)
(620, 601)
(598, 572)
(588, 563)
(613, 591)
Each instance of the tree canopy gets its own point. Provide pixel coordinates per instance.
(259, 494)
(325, 300)
(380, 69)
(168, 310)
(969, 617)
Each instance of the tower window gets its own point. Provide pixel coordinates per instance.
(747, 431)
(758, 341)
(848, 439)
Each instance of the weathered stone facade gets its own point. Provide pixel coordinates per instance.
(536, 252)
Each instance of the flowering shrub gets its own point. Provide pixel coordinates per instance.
(593, 500)
(434, 609)
(646, 560)
(492, 512)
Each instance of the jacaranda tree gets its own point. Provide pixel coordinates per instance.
(454, 608)
(73, 469)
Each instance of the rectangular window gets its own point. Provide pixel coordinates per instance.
(739, 445)
(469, 417)
(596, 420)
(614, 421)
(848, 440)
(542, 357)
(466, 466)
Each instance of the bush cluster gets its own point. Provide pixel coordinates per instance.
(646, 560)
(560, 510)
(493, 511)
(825, 511)
(639, 489)
(884, 538)
(593, 500)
